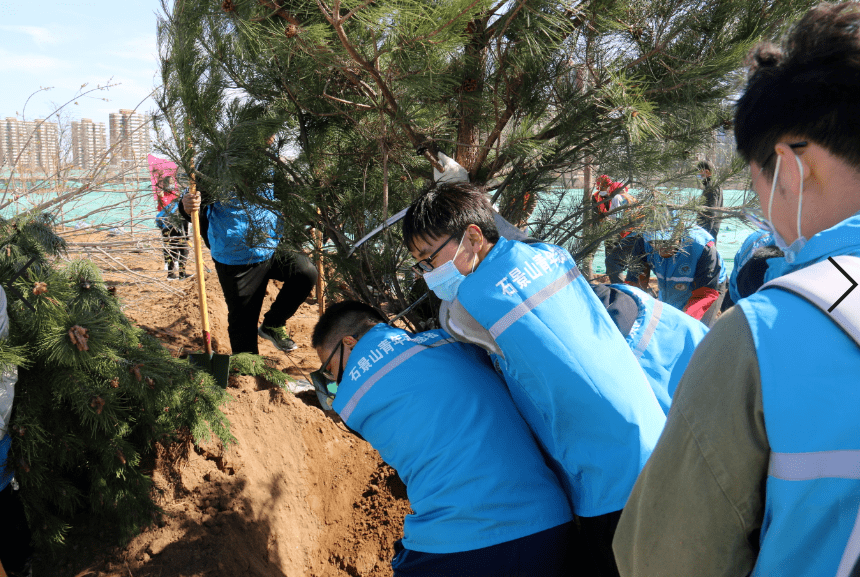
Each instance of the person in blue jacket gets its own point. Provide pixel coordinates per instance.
(661, 337)
(598, 421)
(758, 470)
(484, 502)
(689, 269)
(242, 239)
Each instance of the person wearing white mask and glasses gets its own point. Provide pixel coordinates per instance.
(758, 470)
(529, 306)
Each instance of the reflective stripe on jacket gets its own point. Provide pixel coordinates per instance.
(676, 275)
(569, 370)
(663, 340)
(438, 413)
(809, 371)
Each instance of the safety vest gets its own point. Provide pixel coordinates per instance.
(810, 378)
(438, 413)
(569, 370)
(675, 275)
(663, 340)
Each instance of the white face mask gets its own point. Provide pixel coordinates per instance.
(445, 280)
(790, 250)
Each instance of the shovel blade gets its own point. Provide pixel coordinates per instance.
(218, 366)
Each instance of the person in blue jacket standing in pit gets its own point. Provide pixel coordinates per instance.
(758, 470)
(484, 502)
(528, 304)
(242, 238)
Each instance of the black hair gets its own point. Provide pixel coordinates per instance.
(448, 210)
(705, 165)
(342, 319)
(808, 89)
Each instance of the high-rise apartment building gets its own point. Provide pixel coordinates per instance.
(29, 145)
(129, 138)
(89, 143)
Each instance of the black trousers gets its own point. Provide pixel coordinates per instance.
(595, 545)
(15, 548)
(542, 554)
(175, 247)
(244, 289)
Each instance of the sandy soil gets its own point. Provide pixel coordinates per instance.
(297, 495)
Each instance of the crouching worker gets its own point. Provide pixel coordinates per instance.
(484, 501)
(690, 272)
(661, 337)
(528, 305)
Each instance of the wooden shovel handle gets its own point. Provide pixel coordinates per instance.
(201, 281)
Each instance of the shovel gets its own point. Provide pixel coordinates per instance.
(216, 365)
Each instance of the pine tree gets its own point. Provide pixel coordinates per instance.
(520, 93)
(94, 392)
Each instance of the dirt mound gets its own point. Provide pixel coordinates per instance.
(296, 495)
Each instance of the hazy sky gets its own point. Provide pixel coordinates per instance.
(64, 44)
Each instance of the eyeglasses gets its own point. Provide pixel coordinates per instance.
(426, 265)
(325, 384)
(792, 145)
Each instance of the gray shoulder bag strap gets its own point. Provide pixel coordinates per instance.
(830, 286)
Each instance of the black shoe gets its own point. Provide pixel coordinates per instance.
(279, 337)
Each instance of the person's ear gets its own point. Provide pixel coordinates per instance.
(475, 236)
(349, 341)
(793, 168)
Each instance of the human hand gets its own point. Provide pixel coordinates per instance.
(191, 201)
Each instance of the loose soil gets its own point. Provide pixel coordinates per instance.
(297, 495)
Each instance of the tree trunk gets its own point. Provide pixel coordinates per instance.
(587, 267)
(468, 137)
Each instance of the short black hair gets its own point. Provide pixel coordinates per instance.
(448, 210)
(807, 89)
(705, 165)
(342, 319)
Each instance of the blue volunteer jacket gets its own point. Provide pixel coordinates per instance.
(598, 419)
(241, 233)
(438, 413)
(686, 271)
(662, 339)
(810, 372)
(162, 219)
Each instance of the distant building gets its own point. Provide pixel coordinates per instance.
(89, 143)
(29, 145)
(129, 138)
